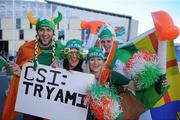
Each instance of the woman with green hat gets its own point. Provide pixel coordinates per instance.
(105, 89)
(73, 55)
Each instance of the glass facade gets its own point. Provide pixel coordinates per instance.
(18, 23)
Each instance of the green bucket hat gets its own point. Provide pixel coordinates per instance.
(74, 43)
(105, 33)
(95, 52)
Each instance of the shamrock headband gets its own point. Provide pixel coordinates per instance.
(76, 44)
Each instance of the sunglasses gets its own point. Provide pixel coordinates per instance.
(67, 52)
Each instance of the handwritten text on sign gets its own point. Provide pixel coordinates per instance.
(52, 93)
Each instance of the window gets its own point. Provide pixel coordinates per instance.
(18, 23)
(85, 35)
(61, 34)
(21, 34)
(0, 34)
(4, 48)
(30, 26)
(0, 23)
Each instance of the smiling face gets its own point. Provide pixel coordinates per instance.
(106, 44)
(73, 58)
(96, 65)
(45, 35)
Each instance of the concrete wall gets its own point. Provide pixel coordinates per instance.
(73, 17)
(71, 34)
(29, 34)
(74, 24)
(133, 30)
(7, 24)
(25, 24)
(8, 34)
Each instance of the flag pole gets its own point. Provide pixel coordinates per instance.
(13, 36)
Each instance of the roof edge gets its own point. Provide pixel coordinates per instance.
(88, 9)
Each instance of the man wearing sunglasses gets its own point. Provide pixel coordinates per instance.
(73, 55)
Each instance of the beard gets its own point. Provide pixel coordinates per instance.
(41, 44)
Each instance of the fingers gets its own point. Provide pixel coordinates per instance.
(132, 85)
(56, 64)
(165, 83)
(15, 68)
(17, 72)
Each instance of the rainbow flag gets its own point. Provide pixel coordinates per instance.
(168, 106)
(170, 103)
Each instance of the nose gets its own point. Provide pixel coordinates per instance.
(95, 61)
(105, 43)
(74, 54)
(45, 32)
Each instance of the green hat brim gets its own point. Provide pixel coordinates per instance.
(45, 23)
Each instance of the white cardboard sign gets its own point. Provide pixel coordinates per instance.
(53, 93)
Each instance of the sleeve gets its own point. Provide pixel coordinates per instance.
(2, 62)
(158, 84)
(4, 66)
(20, 56)
(119, 79)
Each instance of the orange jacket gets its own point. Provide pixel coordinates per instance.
(25, 54)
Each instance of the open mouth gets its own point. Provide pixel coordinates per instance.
(96, 67)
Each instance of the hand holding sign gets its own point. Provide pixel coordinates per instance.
(52, 93)
(15, 68)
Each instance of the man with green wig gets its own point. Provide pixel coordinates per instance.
(43, 50)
